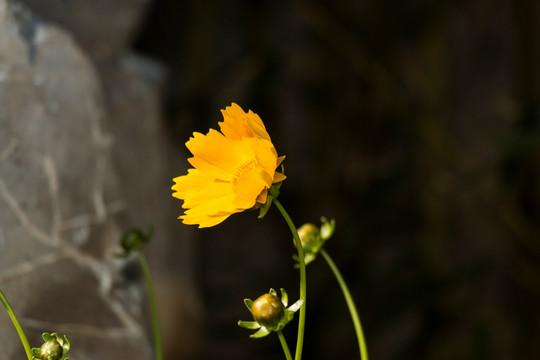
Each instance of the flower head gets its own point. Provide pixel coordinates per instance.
(270, 313)
(232, 169)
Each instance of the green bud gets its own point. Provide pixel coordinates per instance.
(268, 310)
(51, 350)
(270, 313)
(54, 348)
(134, 240)
(313, 238)
(310, 236)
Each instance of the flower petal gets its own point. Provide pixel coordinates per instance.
(248, 188)
(238, 124)
(255, 123)
(234, 125)
(214, 154)
(202, 220)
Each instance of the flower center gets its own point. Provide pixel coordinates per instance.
(243, 169)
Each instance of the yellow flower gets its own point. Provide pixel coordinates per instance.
(232, 169)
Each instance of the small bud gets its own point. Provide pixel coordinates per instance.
(268, 310)
(54, 348)
(313, 238)
(51, 350)
(310, 236)
(270, 313)
(134, 240)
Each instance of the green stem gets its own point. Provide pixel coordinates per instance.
(350, 304)
(152, 304)
(18, 326)
(284, 345)
(302, 316)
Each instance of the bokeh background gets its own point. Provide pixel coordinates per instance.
(414, 124)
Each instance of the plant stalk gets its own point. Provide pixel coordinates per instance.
(284, 345)
(350, 304)
(17, 325)
(303, 283)
(152, 303)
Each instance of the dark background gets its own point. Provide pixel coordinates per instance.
(414, 124)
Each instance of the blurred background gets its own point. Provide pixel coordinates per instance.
(414, 124)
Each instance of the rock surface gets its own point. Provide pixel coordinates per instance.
(61, 205)
(102, 28)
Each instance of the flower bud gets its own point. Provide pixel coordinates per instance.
(134, 240)
(54, 347)
(268, 310)
(310, 236)
(51, 350)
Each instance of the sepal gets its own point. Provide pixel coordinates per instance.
(248, 303)
(273, 193)
(252, 325)
(262, 332)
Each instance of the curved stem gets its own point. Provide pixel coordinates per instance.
(284, 345)
(303, 287)
(350, 304)
(17, 325)
(153, 305)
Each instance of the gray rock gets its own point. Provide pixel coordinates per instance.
(103, 28)
(61, 205)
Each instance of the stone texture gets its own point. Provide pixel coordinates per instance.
(61, 207)
(103, 28)
(146, 159)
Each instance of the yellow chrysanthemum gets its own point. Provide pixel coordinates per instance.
(232, 169)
